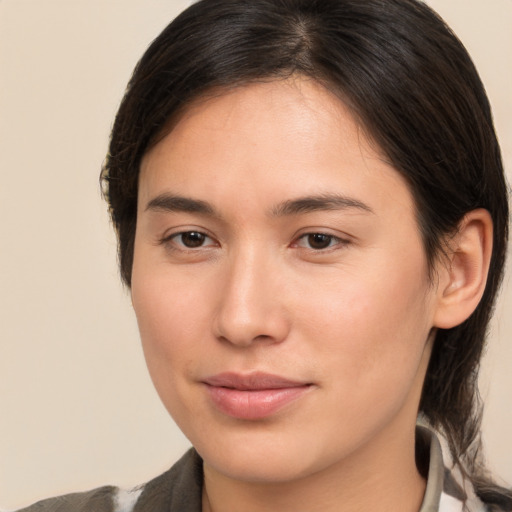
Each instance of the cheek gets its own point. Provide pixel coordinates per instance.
(170, 332)
(168, 318)
(168, 303)
(370, 329)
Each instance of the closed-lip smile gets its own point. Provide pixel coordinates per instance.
(253, 396)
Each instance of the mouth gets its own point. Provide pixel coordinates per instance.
(253, 396)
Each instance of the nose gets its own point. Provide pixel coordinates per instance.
(251, 304)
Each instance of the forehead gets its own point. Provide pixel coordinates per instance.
(290, 136)
(296, 106)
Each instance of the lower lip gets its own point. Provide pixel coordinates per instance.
(254, 404)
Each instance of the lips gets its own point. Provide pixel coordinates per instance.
(253, 396)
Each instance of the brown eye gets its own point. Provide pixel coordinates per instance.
(319, 240)
(191, 239)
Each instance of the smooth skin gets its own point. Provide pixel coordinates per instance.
(272, 236)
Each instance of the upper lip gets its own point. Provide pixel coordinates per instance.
(252, 382)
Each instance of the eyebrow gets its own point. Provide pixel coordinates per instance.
(318, 203)
(173, 203)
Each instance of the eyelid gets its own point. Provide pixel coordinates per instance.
(168, 238)
(341, 240)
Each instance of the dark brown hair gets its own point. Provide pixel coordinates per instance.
(414, 89)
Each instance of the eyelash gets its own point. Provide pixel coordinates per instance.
(172, 240)
(331, 240)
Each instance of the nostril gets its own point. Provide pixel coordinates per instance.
(266, 330)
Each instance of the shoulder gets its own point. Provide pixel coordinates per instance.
(449, 489)
(178, 489)
(102, 499)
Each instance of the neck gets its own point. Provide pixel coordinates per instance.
(382, 476)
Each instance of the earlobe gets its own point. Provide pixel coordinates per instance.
(464, 276)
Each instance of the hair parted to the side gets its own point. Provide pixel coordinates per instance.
(414, 89)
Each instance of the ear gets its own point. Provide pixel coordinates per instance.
(463, 275)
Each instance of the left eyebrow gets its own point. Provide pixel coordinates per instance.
(174, 203)
(322, 202)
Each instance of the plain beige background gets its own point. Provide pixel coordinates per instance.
(77, 408)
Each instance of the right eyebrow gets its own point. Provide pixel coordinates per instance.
(321, 202)
(174, 203)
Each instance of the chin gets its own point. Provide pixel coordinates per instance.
(258, 466)
(264, 457)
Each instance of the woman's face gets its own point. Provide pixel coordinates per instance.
(280, 284)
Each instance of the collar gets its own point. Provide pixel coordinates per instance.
(447, 490)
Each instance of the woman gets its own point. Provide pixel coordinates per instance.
(312, 220)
